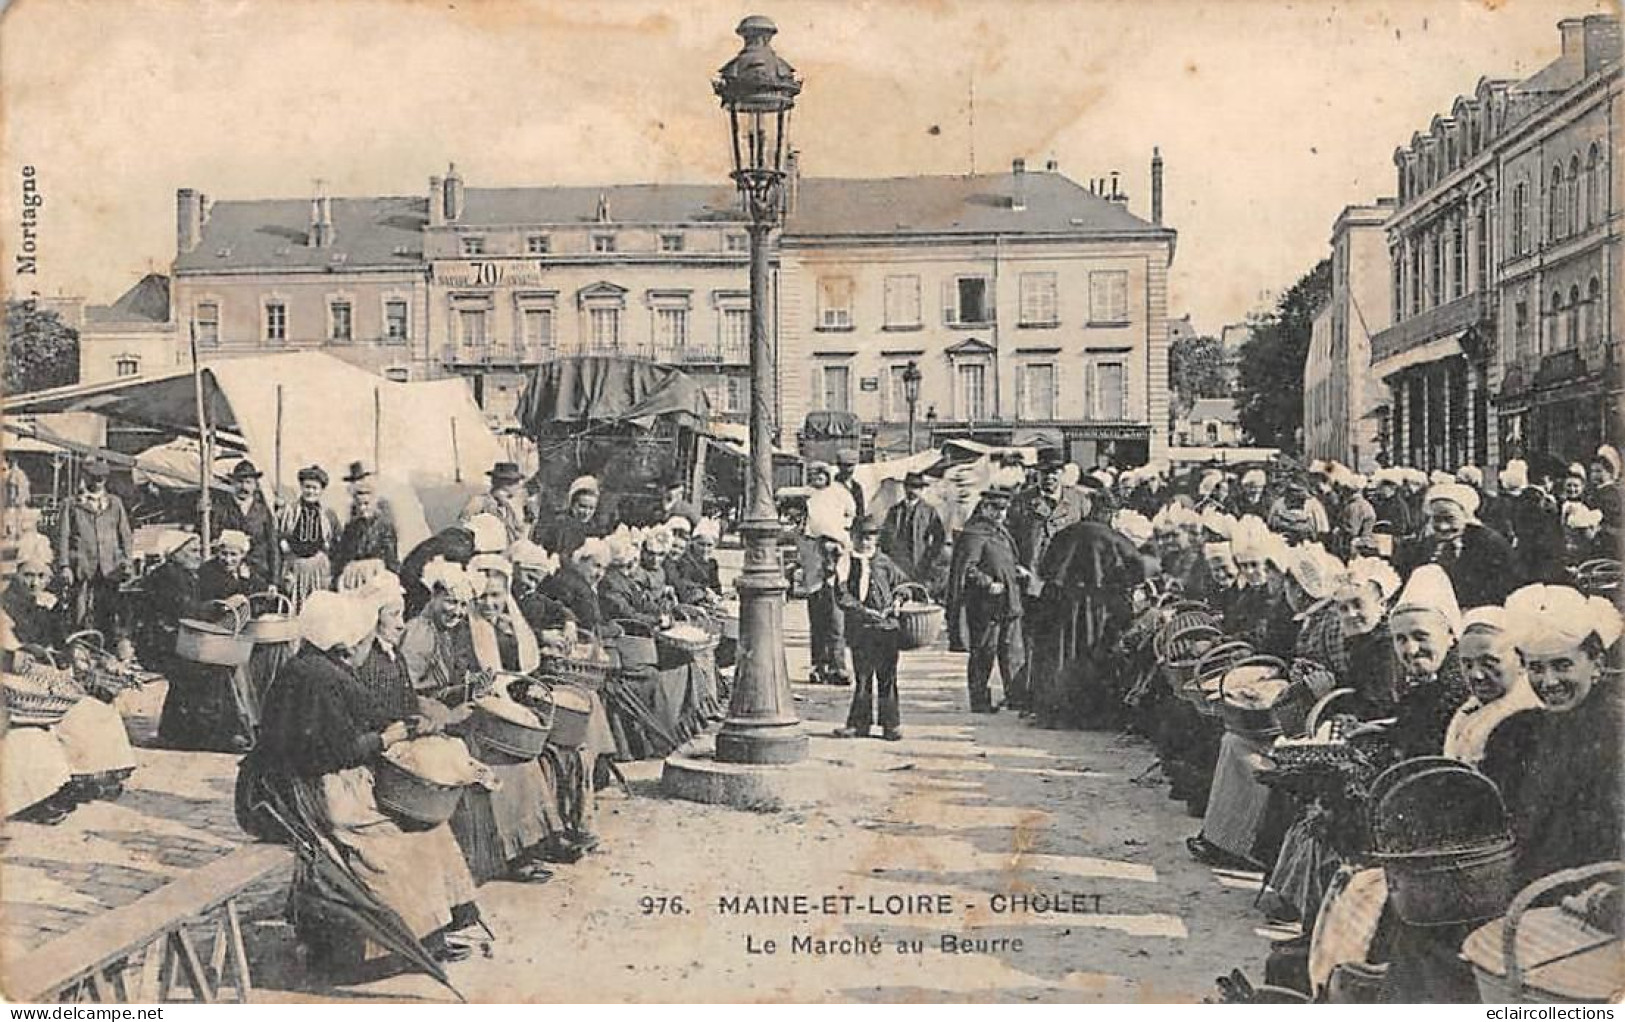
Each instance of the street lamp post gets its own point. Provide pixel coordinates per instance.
(911, 394)
(758, 89)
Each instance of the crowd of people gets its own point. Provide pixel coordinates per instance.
(366, 650)
(1238, 619)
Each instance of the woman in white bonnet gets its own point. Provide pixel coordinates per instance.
(1566, 810)
(1493, 729)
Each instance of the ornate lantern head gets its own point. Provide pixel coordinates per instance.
(758, 88)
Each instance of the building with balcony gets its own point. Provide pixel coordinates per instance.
(1492, 253)
(1031, 304)
(1344, 417)
(1033, 307)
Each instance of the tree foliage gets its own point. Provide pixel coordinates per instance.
(1196, 370)
(1269, 384)
(41, 350)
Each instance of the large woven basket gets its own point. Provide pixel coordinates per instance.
(1442, 835)
(513, 741)
(206, 642)
(412, 799)
(919, 622)
(29, 707)
(671, 644)
(1544, 954)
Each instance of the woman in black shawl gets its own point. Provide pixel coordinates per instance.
(323, 730)
(1088, 572)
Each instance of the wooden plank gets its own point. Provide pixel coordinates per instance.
(239, 952)
(193, 965)
(124, 930)
(99, 987)
(217, 951)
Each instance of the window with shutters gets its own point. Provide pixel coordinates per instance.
(1036, 392)
(397, 320)
(1039, 303)
(340, 321)
(967, 301)
(538, 326)
(1110, 400)
(207, 323)
(837, 388)
(471, 328)
(902, 302)
(736, 334)
(604, 327)
(738, 392)
(834, 303)
(1108, 298)
(973, 391)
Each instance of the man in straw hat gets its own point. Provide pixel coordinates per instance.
(985, 603)
(93, 548)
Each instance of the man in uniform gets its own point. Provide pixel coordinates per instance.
(985, 599)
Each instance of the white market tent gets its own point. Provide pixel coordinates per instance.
(429, 441)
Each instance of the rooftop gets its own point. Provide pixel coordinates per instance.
(146, 302)
(388, 231)
(1221, 408)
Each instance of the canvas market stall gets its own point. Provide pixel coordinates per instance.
(429, 441)
(627, 421)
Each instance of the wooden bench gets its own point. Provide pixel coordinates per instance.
(94, 962)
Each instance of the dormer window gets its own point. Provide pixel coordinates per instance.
(671, 243)
(603, 244)
(473, 245)
(538, 244)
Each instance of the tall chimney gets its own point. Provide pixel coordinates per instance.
(1117, 194)
(1156, 186)
(453, 194)
(1052, 165)
(321, 220)
(437, 201)
(1018, 184)
(188, 219)
(1573, 31)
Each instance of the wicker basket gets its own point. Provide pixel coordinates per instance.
(515, 742)
(673, 645)
(1255, 723)
(636, 645)
(413, 799)
(589, 674)
(276, 625)
(28, 707)
(919, 622)
(1201, 690)
(572, 709)
(1178, 647)
(204, 642)
(98, 671)
(1457, 887)
(1549, 955)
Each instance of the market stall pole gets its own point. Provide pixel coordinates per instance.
(205, 445)
(758, 89)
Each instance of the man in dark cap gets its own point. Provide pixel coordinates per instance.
(501, 500)
(245, 511)
(868, 597)
(1036, 516)
(912, 534)
(846, 461)
(94, 543)
(985, 599)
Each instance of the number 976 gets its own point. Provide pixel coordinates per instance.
(662, 905)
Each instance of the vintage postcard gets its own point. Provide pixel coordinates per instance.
(939, 501)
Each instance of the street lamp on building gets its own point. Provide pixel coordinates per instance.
(758, 89)
(911, 394)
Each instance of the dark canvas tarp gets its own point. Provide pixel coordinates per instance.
(571, 393)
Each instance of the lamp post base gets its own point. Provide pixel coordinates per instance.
(762, 726)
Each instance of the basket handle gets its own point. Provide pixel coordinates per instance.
(1311, 723)
(239, 613)
(1526, 899)
(83, 635)
(278, 600)
(911, 587)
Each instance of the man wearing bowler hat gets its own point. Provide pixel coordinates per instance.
(501, 500)
(245, 511)
(985, 603)
(912, 534)
(94, 543)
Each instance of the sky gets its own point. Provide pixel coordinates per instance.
(1270, 116)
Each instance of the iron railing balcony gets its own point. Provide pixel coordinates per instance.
(1453, 317)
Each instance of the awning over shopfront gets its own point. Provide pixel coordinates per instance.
(1433, 351)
